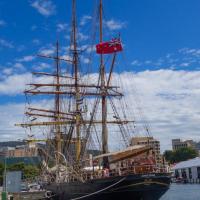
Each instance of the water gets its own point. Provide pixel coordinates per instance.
(182, 192)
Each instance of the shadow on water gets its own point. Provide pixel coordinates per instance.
(182, 192)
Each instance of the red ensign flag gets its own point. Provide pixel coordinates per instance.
(109, 47)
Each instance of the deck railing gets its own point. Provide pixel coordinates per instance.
(122, 171)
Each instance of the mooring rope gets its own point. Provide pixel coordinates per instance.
(88, 195)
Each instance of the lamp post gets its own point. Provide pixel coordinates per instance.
(4, 193)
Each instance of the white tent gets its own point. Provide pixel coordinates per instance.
(195, 162)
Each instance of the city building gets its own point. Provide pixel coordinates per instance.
(19, 151)
(4, 151)
(197, 146)
(23, 151)
(155, 144)
(178, 143)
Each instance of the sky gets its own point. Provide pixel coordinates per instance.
(160, 58)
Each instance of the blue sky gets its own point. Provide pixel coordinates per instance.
(161, 49)
(150, 29)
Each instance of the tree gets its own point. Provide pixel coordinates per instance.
(1, 173)
(16, 167)
(168, 155)
(181, 154)
(185, 154)
(31, 171)
(28, 171)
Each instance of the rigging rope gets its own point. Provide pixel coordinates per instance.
(99, 191)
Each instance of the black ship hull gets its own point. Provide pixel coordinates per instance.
(130, 187)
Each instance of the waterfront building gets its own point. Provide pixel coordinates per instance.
(189, 170)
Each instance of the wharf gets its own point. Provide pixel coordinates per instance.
(39, 195)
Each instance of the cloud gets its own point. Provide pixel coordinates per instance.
(136, 63)
(88, 48)
(41, 66)
(7, 44)
(86, 60)
(36, 41)
(114, 25)
(185, 64)
(48, 50)
(33, 27)
(67, 37)
(19, 66)
(167, 100)
(10, 69)
(185, 58)
(7, 120)
(82, 37)
(14, 84)
(44, 7)
(67, 57)
(189, 51)
(7, 71)
(26, 59)
(2, 23)
(85, 19)
(61, 27)
(21, 48)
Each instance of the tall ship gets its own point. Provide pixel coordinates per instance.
(79, 113)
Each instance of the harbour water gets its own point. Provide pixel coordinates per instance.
(179, 192)
(182, 192)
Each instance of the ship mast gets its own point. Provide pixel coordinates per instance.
(103, 90)
(77, 89)
(57, 103)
